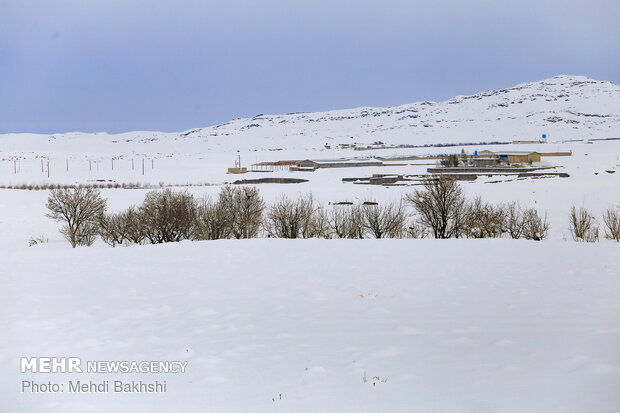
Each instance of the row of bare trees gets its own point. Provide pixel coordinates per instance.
(163, 216)
(440, 210)
(584, 227)
(443, 210)
(170, 216)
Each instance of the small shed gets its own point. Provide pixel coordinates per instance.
(238, 170)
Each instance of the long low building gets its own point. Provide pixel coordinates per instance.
(312, 164)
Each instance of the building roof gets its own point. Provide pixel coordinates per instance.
(516, 153)
(343, 160)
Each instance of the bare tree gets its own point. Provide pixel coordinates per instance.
(441, 207)
(515, 220)
(132, 225)
(168, 216)
(110, 228)
(123, 227)
(582, 225)
(294, 218)
(535, 227)
(88, 233)
(525, 222)
(246, 206)
(485, 220)
(283, 220)
(415, 229)
(79, 210)
(316, 224)
(611, 218)
(384, 221)
(346, 221)
(214, 219)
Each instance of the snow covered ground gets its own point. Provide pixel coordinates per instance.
(433, 326)
(325, 325)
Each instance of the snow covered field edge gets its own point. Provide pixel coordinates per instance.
(322, 325)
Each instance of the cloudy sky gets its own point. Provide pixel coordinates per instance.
(120, 65)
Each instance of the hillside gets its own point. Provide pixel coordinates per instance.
(564, 107)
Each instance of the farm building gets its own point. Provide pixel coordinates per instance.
(272, 166)
(238, 170)
(518, 156)
(312, 164)
(480, 161)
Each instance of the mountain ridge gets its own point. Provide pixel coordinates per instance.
(563, 107)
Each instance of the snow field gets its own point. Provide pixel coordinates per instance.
(437, 326)
(444, 326)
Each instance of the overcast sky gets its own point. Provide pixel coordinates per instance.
(120, 65)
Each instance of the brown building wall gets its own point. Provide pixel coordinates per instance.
(532, 157)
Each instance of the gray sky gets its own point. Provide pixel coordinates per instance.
(120, 65)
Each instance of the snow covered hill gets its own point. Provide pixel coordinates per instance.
(563, 107)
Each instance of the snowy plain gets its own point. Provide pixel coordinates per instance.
(321, 325)
(437, 326)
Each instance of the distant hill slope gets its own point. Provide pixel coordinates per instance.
(563, 107)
